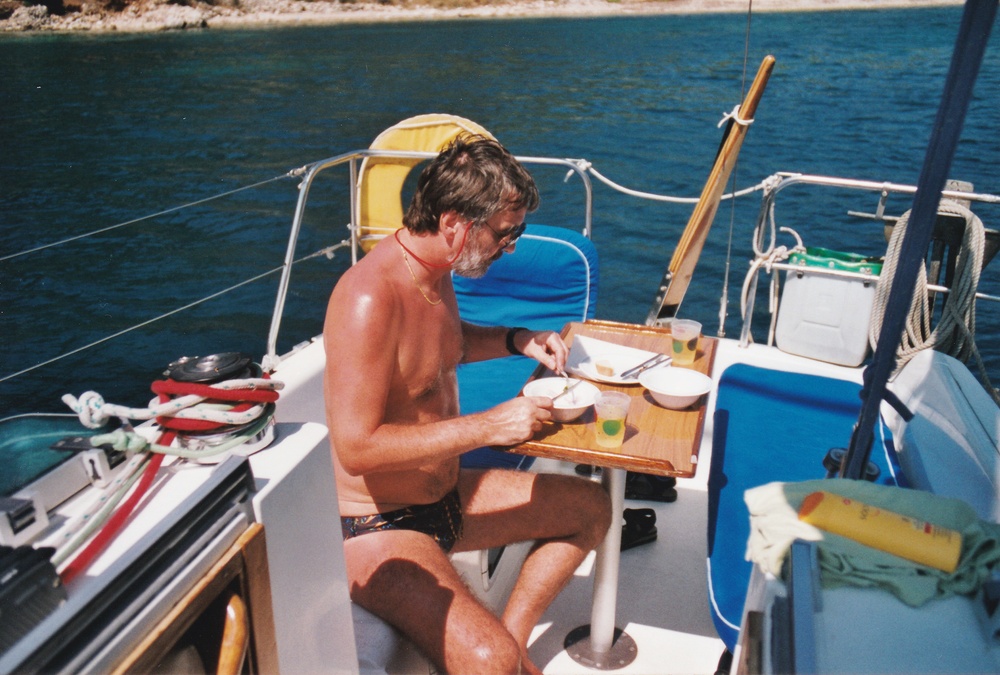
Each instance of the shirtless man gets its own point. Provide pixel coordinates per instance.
(393, 341)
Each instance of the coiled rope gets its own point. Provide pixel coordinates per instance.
(766, 260)
(197, 407)
(955, 332)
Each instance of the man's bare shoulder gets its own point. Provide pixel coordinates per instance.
(365, 296)
(371, 277)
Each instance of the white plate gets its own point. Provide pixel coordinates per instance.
(586, 352)
(588, 369)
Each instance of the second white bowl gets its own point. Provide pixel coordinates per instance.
(675, 388)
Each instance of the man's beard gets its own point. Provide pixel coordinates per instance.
(474, 262)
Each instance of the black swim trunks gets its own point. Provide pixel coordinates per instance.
(442, 521)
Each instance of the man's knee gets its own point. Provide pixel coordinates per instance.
(496, 652)
(584, 507)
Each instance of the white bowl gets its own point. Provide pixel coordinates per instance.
(675, 388)
(566, 408)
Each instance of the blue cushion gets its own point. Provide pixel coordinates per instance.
(769, 426)
(549, 280)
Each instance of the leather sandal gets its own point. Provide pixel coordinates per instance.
(639, 527)
(650, 488)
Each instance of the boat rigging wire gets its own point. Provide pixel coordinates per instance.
(734, 116)
(326, 252)
(172, 209)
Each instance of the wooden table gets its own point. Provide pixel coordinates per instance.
(657, 441)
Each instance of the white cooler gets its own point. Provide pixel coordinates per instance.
(826, 317)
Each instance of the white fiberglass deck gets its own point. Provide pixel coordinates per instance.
(662, 595)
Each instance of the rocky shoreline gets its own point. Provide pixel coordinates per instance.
(161, 15)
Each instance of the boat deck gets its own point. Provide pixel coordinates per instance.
(662, 593)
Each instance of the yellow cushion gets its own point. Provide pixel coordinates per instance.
(380, 204)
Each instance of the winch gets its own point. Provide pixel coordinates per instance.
(195, 375)
(212, 368)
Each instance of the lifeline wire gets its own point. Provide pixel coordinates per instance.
(327, 252)
(665, 198)
(11, 256)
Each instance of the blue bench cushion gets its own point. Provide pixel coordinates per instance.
(769, 426)
(549, 280)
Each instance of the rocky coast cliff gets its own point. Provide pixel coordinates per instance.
(156, 15)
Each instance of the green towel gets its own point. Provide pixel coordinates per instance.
(774, 524)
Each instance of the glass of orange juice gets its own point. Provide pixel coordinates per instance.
(611, 408)
(685, 334)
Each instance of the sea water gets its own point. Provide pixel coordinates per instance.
(101, 129)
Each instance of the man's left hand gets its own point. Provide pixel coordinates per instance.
(546, 347)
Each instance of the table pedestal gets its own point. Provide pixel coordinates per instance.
(601, 645)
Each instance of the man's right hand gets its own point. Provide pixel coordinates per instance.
(517, 420)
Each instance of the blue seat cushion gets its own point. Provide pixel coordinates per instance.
(769, 426)
(549, 280)
(485, 384)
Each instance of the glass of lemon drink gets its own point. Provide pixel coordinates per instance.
(685, 340)
(611, 408)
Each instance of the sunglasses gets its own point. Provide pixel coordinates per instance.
(506, 239)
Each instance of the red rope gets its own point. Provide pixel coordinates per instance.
(164, 389)
(175, 388)
(115, 523)
(182, 424)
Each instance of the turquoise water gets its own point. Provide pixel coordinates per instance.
(101, 129)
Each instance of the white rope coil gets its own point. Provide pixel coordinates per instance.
(778, 254)
(765, 259)
(93, 411)
(954, 333)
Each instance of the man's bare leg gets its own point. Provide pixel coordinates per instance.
(405, 578)
(569, 517)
